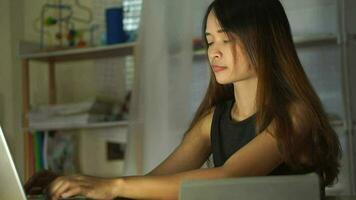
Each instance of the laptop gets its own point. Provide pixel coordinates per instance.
(10, 184)
(284, 187)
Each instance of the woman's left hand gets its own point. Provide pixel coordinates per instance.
(90, 187)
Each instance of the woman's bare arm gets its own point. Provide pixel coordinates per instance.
(259, 157)
(192, 152)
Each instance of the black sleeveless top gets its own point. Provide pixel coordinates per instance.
(228, 136)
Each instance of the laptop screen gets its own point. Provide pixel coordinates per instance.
(10, 186)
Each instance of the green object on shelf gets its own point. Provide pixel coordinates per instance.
(38, 153)
(50, 21)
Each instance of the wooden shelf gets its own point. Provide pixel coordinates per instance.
(337, 123)
(79, 126)
(299, 41)
(335, 190)
(32, 51)
(316, 39)
(199, 53)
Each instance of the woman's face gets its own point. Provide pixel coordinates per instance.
(228, 68)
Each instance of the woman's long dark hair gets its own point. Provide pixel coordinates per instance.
(285, 97)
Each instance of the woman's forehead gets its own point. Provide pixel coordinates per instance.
(213, 24)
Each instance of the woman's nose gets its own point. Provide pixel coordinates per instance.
(214, 53)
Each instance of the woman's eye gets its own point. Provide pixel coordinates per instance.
(211, 43)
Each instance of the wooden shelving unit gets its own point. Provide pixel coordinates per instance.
(31, 52)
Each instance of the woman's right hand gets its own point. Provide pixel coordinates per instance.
(86, 186)
(39, 182)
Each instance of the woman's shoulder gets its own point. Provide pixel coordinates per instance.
(204, 124)
(206, 121)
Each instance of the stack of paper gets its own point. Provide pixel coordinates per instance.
(67, 115)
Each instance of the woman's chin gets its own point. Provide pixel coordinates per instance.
(223, 82)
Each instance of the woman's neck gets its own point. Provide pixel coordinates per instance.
(245, 98)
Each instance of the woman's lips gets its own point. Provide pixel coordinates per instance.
(217, 68)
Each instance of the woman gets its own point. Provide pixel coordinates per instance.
(260, 115)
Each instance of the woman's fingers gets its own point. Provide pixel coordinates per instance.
(67, 186)
(73, 191)
(59, 186)
(55, 185)
(64, 186)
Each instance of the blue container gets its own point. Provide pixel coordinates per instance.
(114, 26)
